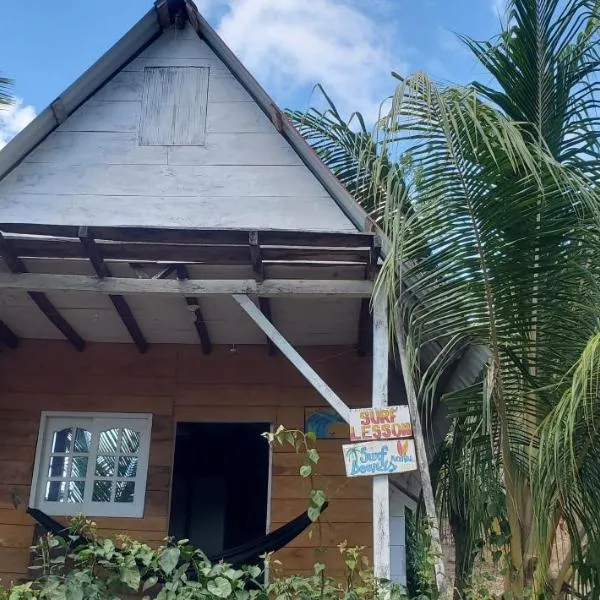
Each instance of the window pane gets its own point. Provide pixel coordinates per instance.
(127, 466)
(102, 491)
(55, 491)
(130, 441)
(125, 491)
(82, 440)
(76, 489)
(61, 440)
(108, 441)
(79, 467)
(60, 491)
(58, 466)
(105, 466)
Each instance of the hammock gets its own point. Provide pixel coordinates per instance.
(238, 555)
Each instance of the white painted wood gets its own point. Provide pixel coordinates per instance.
(237, 117)
(174, 106)
(292, 355)
(322, 321)
(236, 149)
(381, 489)
(259, 212)
(172, 45)
(95, 423)
(125, 86)
(80, 148)
(398, 504)
(224, 87)
(128, 86)
(427, 488)
(104, 116)
(149, 180)
(116, 285)
(139, 64)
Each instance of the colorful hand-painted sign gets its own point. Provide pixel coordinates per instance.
(386, 423)
(379, 457)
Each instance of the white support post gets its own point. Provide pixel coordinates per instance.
(381, 484)
(292, 355)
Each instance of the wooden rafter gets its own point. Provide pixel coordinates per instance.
(18, 268)
(8, 337)
(121, 306)
(199, 322)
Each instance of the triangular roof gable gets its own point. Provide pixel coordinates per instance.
(133, 44)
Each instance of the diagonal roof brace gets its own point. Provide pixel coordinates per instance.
(293, 356)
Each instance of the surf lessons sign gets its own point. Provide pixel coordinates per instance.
(379, 457)
(387, 423)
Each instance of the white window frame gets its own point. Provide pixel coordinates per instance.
(97, 421)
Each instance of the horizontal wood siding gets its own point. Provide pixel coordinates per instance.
(92, 170)
(178, 383)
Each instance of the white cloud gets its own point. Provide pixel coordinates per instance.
(290, 44)
(14, 118)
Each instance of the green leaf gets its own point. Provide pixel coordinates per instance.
(318, 497)
(314, 512)
(220, 587)
(169, 558)
(313, 455)
(151, 581)
(305, 470)
(311, 436)
(131, 577)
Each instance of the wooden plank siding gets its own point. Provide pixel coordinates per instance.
(178, 383)
(92, 169)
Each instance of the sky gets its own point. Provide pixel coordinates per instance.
(349, 46)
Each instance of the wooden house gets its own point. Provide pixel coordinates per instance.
(181, 273)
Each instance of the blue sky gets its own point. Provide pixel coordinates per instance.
(350, 46)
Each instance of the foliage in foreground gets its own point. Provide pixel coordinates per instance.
(107, 569)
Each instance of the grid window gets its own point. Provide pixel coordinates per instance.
(94, 464)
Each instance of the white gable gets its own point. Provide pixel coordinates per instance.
(93, 170)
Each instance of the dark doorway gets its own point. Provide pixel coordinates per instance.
(220, 484)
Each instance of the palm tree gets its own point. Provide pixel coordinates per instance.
(5, 98)
(499, 247)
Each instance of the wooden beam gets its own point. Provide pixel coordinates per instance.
(255, 256)
(163, 235)
(381, 483)
(265, 307)
(186, 253)
(292, 355)
(18, 268)
(365, 328)
(8, 337)
(121, 306)
(421, 452)
(44, 282)
(199, 322)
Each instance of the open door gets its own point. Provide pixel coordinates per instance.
(220, 484)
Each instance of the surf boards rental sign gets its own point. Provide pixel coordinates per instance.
(380, 457)
(387, 423)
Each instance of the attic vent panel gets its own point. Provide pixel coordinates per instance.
(174, 106)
